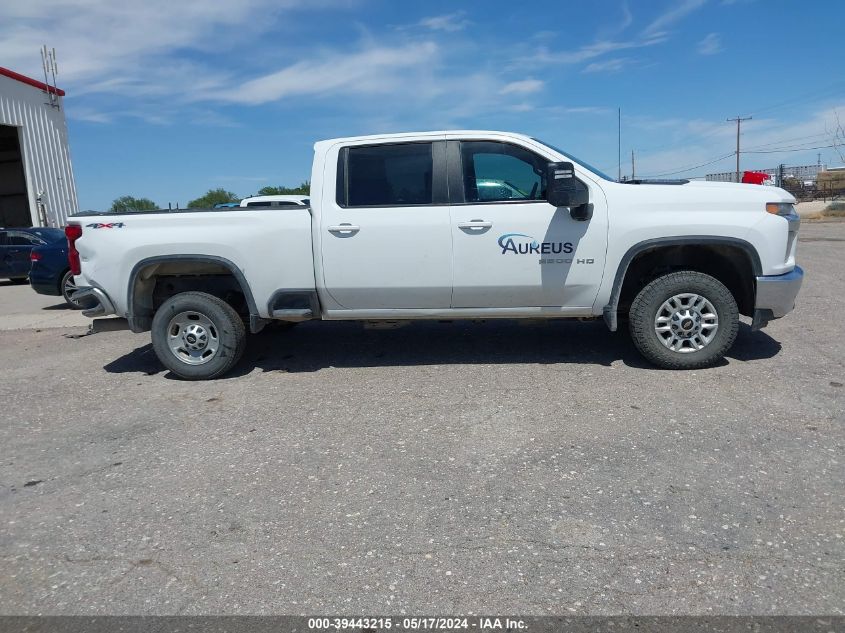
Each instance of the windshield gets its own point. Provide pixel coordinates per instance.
(585, 165)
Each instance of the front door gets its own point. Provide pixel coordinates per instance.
(512, 248)
(385, 237)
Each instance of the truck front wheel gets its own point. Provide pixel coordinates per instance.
(198, 336)
(684, 320)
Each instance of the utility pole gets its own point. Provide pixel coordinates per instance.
(738, 120)
(633, 169)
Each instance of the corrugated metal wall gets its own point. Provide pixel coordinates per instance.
(44, 144)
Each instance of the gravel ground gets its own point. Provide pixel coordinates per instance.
(503, 467)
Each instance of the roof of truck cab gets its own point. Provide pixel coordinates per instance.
(401, 135)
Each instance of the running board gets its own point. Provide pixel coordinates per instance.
(291, 314)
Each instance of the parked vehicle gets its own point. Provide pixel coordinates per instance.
(50, 271)
(398, 228)
(276, 201)
(15, 246)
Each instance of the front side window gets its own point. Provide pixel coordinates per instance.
(494, 172)
(389, 175)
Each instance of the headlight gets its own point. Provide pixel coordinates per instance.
(780, 208)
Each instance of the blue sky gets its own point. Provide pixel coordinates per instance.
(166, 99)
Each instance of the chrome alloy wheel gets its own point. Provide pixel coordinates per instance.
(686, 323)
(193, 338)
(69, 288)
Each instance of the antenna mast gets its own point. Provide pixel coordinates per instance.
(619, 143)
(51, 69)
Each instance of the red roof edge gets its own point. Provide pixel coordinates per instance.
(30, 81)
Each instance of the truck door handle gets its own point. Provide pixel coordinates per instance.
(344, 228)
(475, 224)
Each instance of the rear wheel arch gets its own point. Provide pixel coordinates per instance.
(732, 261)
(141, 299)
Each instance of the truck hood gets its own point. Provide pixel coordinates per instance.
(698, 194)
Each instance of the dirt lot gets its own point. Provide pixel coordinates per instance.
(437, 468)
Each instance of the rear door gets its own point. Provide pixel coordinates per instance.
(385, 233)
(511, 247)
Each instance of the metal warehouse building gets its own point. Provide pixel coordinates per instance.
(36, 178)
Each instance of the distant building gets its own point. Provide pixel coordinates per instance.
(803, 173)
(36, 178)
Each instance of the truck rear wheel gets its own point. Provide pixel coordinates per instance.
(198, 336)
(684, 320)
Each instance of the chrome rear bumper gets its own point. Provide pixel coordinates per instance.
(99, 302)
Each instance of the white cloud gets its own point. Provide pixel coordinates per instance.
(669, 17)
(655, 33)
(449, 22)
(526, 86)
(372, 71)
(614, 28)
(521, 107)
(89, 116)
(589, 51)
(113, 45)
(607, 66)
(710, 45)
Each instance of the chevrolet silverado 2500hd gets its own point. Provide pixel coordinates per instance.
(459, 224)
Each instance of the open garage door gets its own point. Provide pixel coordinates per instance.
(14, 202)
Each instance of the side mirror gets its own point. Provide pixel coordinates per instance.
(563, 189)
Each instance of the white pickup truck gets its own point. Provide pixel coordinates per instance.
(449, 225)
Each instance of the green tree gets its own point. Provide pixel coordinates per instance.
(128, 203)
(303, 189)
(212, 197)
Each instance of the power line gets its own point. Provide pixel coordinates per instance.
(787, 140)
(832, 88)
(785, 150)
(716, 160)
(681, 171)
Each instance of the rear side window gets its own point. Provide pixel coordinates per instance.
(22, 239)
(386, 175)
(50, 235)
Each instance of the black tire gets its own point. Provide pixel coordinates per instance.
(644, 312)
(63, 287)
(228, 330)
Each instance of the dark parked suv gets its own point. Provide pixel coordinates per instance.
(50, 271)
(15, 245)
(39, 253)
